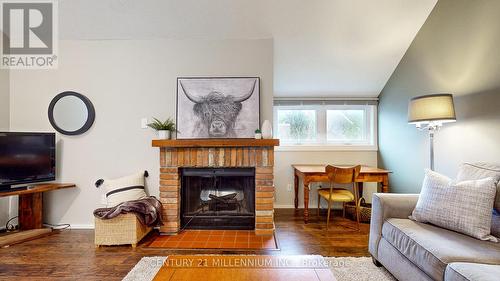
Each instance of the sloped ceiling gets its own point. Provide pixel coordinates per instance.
(322, 48)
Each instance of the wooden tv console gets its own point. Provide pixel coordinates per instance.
(30, 212)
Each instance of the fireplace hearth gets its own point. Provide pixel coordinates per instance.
(218, 198)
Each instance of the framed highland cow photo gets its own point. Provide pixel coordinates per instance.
(219, 107)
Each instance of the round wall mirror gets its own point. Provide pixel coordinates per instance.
(71, 113)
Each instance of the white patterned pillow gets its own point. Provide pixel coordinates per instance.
(464, 207)
(124, 189)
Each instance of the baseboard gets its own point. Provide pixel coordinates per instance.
(78, 226)
(82, 226)
(284, 206)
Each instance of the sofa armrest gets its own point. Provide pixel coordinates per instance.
(385, 206)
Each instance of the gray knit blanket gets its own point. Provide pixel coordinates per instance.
(148, 210)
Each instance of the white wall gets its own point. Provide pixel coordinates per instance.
(4, 126)
(126, 80)
(4, 99)
(284, 173)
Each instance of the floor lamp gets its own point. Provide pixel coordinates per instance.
(429, 113)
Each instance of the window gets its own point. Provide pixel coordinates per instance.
(323, 125)
(297, 125)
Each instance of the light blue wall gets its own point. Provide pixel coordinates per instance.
(457, 51)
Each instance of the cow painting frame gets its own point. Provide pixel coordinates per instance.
(217, 107)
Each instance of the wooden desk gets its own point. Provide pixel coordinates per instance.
(316, 173)
(30, 212)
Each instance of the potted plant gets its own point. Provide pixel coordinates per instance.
(258, 134)
(164, 128)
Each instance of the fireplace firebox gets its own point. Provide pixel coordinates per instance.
(218, 198)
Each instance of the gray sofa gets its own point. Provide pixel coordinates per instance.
(417, 251)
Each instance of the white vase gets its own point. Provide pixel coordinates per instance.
(164, 134)
(258, 136)
(267, 130)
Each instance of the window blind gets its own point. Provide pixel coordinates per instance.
(298, 102)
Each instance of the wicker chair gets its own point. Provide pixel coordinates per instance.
(124, 229)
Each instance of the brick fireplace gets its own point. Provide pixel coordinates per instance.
(176, 155)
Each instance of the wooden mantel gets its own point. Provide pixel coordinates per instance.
(216, 143)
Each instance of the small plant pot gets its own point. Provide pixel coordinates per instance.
(164, 135)
(258, 136)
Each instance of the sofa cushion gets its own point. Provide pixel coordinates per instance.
(475, 171)
(465, 206)
(431, 248)
(462, 271)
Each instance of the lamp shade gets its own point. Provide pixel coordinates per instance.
(436, 108)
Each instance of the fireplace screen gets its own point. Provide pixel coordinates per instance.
(221, 198)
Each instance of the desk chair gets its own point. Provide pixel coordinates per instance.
(338, 175)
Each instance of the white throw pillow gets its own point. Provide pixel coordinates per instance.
(124, 189)
(464, 207)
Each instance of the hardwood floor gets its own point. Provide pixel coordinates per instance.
(71, 254)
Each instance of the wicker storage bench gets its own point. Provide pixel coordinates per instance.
(124, 229)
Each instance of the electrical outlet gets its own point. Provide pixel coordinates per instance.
(144, 123)
(289, 187)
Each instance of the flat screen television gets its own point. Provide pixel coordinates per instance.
(26, 158)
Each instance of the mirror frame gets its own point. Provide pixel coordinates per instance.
(90, 115)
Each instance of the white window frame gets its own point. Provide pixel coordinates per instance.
(321, 119)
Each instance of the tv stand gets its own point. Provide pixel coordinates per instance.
(30, 211)
(8, 188)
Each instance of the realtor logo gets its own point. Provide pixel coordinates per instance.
(29, 34)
